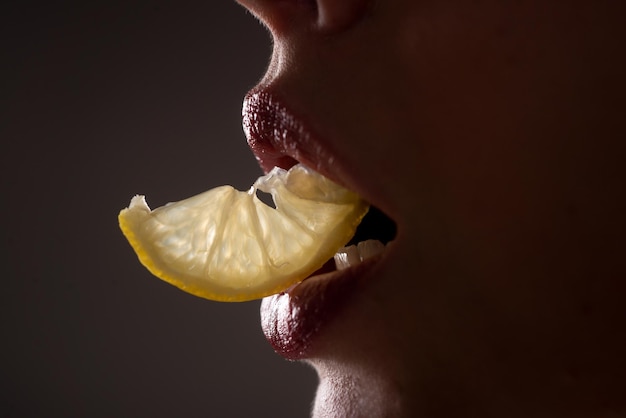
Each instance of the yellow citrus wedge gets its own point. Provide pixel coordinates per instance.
(228, 245)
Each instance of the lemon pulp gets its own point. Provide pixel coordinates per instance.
(228, 245)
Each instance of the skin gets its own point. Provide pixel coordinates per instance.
(496, 128)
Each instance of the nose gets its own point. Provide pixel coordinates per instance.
(283, 17)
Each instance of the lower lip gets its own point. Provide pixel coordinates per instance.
(293, 320)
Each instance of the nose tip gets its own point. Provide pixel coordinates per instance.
(326, 16)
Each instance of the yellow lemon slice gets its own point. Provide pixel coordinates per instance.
(228, 245)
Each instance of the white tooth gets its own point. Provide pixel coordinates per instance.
(370, 248)
(346, 257)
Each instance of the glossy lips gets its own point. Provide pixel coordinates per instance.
(278, 138)
(292, 319)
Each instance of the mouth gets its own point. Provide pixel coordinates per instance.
(292, 319)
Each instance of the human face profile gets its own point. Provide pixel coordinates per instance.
(490, 135)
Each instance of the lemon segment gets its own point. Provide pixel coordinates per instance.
(228, 245)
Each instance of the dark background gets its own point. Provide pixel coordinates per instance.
(99, 101)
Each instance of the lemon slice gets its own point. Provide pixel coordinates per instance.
(228, 245)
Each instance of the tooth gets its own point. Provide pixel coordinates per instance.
(355, 254)
(370, 248)
(346, 257)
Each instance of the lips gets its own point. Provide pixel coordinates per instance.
(292, 320)
(277, 137)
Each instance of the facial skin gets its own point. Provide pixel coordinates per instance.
(493, 133)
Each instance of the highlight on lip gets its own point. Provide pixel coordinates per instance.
(275, 136)
(292, 320)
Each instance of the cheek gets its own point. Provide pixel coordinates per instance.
(501, 143)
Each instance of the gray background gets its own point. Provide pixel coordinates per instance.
(101, 100)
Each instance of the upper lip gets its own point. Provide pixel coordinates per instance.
(278, 137)
(271, 132)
